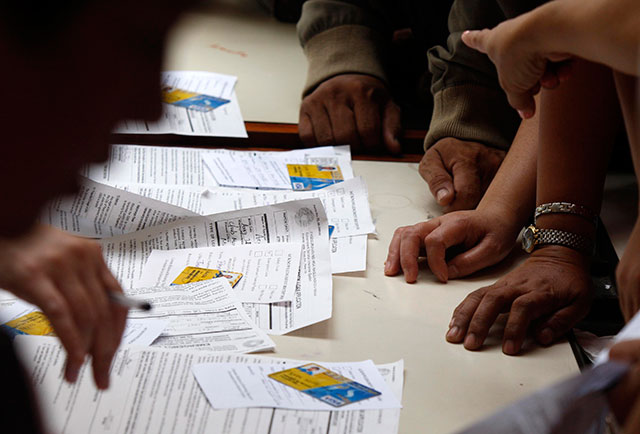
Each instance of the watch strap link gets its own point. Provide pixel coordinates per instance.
(565, 207)
(568, 239)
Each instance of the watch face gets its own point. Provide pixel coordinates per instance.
(528, 239)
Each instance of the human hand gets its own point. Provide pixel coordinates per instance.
(487, 237)
(67, 278)
(353, 109)
(459, 172)
(549, 293)
(628, 275)
(523, 63)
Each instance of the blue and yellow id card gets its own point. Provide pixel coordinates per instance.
(197, 274)
(191, 100)
(313, 176)
(323, 384)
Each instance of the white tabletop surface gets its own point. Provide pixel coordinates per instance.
(384, 319)
(237, 37)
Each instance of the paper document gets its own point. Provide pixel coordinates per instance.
(201, 315)
(270, 271)
(99, 210)
(630, 331)
(157, 165)
(301, 221)
(268, 170)
(225, 121)
(233, 385)
(184, 196)
(348, 254)
(132, 404)
(346, 203)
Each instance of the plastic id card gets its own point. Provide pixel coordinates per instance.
(313, 176)
(323, 384)
(34, 323)
(196, 274)
(191, 100)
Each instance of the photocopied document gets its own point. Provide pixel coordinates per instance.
(235, 385)
(268, 169)
(202, 315)
(22, 318)
(132, 403)
(302, 221)
(157, 165)
(224, 121)
(269, 271)
(184, 196)
(108, 211)
(346, 203)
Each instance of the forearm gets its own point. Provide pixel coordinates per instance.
(513, 189)
(602, 31)
(627, 88)
(578, 122)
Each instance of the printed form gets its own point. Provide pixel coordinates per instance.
(302, 221)
(133, 403)
(225, 121)
(269, 271)
(201, 315)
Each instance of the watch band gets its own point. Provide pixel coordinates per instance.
(565, 207)
(533, 237)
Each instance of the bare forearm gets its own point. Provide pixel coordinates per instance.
(578, 122)
(627, 88)
(602, 31)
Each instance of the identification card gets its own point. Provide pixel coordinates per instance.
(197, 274)
(323, 384)
(313, 176)
(191, 100)
(34, 323)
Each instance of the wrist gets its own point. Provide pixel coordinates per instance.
(563, 255)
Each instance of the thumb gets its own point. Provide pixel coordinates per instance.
(392, 127)
(476, 39)
(433, 170)
(523, 102)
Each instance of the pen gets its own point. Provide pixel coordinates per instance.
(125, 301)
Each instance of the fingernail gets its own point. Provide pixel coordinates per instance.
(453, 271)
(509, 347)
(387, 267)
(471, 342)
(440, 194)
(546, 336)
(72, 374)
(453, 332)
(525, 114)
(451, 322)
(466, 32)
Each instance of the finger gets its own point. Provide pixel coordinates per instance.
(523, 102)
(462, 315)
(485, 254)
(438, 241)
(564, 71)
(392, 127)
(368, 123)
(560, 323)
(82, 308)
(44, 294)
(524, 309)
(628, 351)
(467, 184)
(343, 125)
(433, 170)
(410, 244)
(305, 130)
(476, 39)
(549, 79)
(495, 301)
(322, 127)
(392, 264)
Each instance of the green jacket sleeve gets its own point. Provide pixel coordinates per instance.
(468, 101)
(341, 37)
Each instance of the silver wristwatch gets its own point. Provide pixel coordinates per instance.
(533, 236)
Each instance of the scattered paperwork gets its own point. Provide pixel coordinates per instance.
(270, 271)
(131, 404)
(224, 121)
(201, 315)
(235, 385)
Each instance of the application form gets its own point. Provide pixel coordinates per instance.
(346, 203)
(153, 389)
(99, 210)
(201, 315)
(225, 121)
(302, 221)
(270, 271)
(237, 385)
